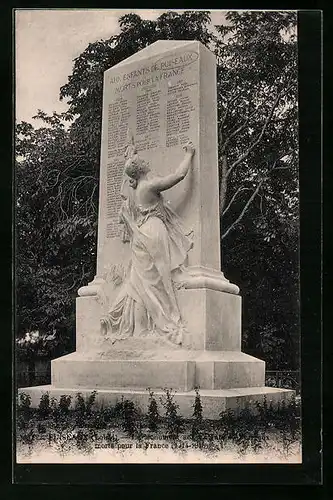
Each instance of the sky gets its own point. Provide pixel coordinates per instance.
(47, 41)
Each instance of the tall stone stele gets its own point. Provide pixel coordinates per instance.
(162, 97)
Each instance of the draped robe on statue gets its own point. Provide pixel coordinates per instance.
(159, 246)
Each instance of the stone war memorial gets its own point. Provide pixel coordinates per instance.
(160, 313)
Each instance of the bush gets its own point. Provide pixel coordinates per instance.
(64, 404)
(55, 423)
(24, 403)
(128, 414)
(28, 437)
(153, 417)
(250, 430)
(287, 421)
(174, 421)
(44, 408)
(83, 408)
(197, 425)
(23, 410)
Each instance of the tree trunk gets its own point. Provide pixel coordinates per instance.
(223, 184)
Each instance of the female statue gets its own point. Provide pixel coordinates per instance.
(159, 245)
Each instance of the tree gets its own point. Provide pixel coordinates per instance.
(257, 85)
(58, 172)
(258, 162)
(55, 218)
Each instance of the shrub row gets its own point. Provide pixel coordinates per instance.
(243, 427)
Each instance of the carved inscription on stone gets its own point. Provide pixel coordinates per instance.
(159, 108)
(118, 116)
(113, 228)
(114, 179)
(113, 185)
(179, 110)
(148, 117)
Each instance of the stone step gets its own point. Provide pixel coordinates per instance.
(213, 401)
(224, 370)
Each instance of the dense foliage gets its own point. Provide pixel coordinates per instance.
(57, 173)
(257, 85)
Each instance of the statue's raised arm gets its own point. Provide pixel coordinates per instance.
(167, 182)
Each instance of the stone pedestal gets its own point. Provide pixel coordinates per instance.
(213, 319)
(178, 370)
(166, 95)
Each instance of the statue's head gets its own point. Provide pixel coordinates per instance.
(136, 168)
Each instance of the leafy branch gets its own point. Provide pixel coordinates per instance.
(239, 190)
(253, 195)
(248, 203)
(263, 129)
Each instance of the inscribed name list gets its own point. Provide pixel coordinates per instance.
(157, 102)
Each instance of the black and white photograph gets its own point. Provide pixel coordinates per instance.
(157, 237)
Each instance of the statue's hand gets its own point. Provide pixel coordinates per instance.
(189, 148)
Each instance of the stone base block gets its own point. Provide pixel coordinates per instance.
(76, 371)
(228, 374)
(88, 328)
(213, 402)
(213, 319)
(187, 369)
